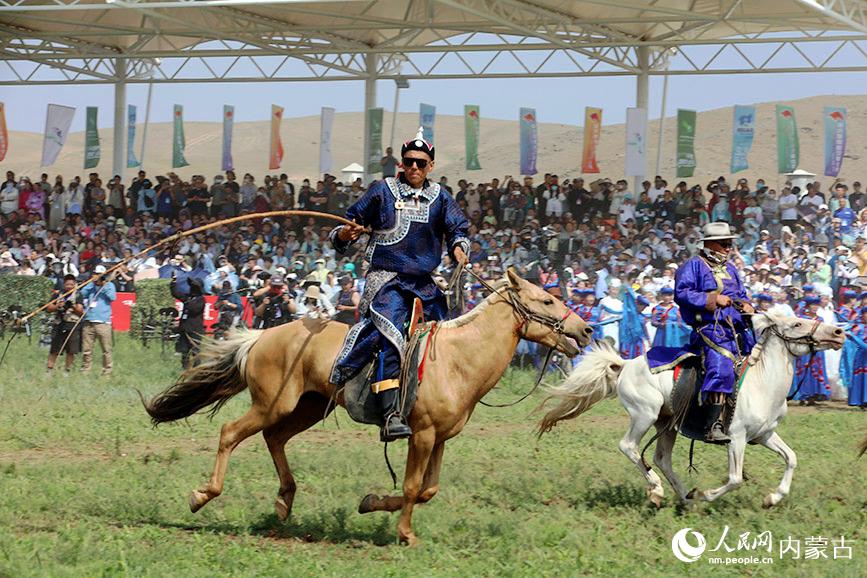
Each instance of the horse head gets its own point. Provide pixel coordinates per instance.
(545, 319)
(801, 336)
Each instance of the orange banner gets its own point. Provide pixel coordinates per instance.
(592, 129)
(276, 145)
(4, 138)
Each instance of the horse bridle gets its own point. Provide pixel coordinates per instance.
(809, 339)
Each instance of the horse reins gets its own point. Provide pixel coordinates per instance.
(806, 340)
(525, 314)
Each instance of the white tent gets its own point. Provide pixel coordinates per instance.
(350, 173)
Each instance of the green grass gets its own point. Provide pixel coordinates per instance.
(89, 488)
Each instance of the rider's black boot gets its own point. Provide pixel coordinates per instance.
(395, 426)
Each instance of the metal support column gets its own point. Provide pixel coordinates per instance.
(642, 91)
(119, 156)
(369, 102)
(661, 126)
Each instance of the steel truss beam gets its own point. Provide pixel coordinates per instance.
(230, 41)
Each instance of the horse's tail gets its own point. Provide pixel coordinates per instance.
(219, 375)
(594, 379)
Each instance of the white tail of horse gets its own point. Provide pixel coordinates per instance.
(593, 380)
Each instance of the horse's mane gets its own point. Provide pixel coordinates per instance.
(477, 310)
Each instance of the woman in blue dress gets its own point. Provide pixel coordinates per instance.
(811, 375)
(858, 386)
(670, 328)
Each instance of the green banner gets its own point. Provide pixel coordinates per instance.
(91, 139)
(178, 142)
(685, 142)
(471, 128)
(788, 149)
(374, 140)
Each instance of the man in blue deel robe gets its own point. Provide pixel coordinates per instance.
(410, 217)
(711, 298)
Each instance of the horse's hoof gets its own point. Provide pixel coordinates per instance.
(411, 540)
(282, 508)
(197, 500)
(656, 500)
(366, 504)
(768, 502)
(693, 494)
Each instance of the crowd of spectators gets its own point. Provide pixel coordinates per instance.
(564, 235)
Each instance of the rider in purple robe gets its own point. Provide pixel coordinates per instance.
(711, 298)
(411, 218)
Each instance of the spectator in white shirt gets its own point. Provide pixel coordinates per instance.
(788, 207)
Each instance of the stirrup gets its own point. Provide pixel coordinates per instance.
(717, 434)
(394, 428)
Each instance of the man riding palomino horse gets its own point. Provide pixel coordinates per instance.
(713, 301)
(409, 216)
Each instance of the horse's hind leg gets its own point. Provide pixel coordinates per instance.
(774, 442)
(662, 458)
(629, 445)
(231, 435)
(310, 410)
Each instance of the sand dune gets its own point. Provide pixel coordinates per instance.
(560, 145)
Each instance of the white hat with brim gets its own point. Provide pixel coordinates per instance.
(717, 232)
(312, 292)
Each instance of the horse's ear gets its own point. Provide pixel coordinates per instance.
(762, 321)
(514, 278)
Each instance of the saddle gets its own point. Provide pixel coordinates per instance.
(360, 401)
(690, 417)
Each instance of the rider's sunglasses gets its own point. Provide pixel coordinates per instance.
(408, 162)
(725, 243)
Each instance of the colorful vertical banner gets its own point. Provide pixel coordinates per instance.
(4, 137)
(228, 125)
(636, 142)
(374, 140)
(835, 139)
(276, 156)
(131, 161)
(326, 125)
(57, 123)
(426, 115)
(91, 139)
(685, 143)
(788, 148)
(529, 141)
(743, 131)
(592, 129)
(178, 141)
(471, 131)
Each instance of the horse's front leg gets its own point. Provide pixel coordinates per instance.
(774, 442)
(736, 470)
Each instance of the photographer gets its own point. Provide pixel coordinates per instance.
(229, 305)
(65, 335)
(274, 304)
(98, 297)
(192, 320)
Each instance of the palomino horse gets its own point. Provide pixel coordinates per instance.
(287, 370)
(761, 403)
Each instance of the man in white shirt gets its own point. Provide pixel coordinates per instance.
(788, 207)
(611, 307)
(658, 188)
(9, 197)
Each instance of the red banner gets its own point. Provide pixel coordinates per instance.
(121, 311)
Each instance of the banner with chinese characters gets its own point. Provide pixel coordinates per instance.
(427, 114)
(788, 148)
(636, 142)
(374, 140)
(4, 137)
(178, 141)
(276, 156)
(57, 123)
(131, 161)
(685, 143)
(529, 141)
(743, 131)
(835, 139)
(471, 131)
(592, 129)
(91, 139)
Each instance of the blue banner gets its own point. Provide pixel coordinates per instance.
(743, 131)
(130, 153)
(835, 139)
(529, 141)
(426, 115)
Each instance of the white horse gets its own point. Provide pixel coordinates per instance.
(761, 402)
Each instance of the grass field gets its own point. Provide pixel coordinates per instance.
(89, 488)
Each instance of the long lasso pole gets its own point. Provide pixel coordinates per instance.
(172, 239)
